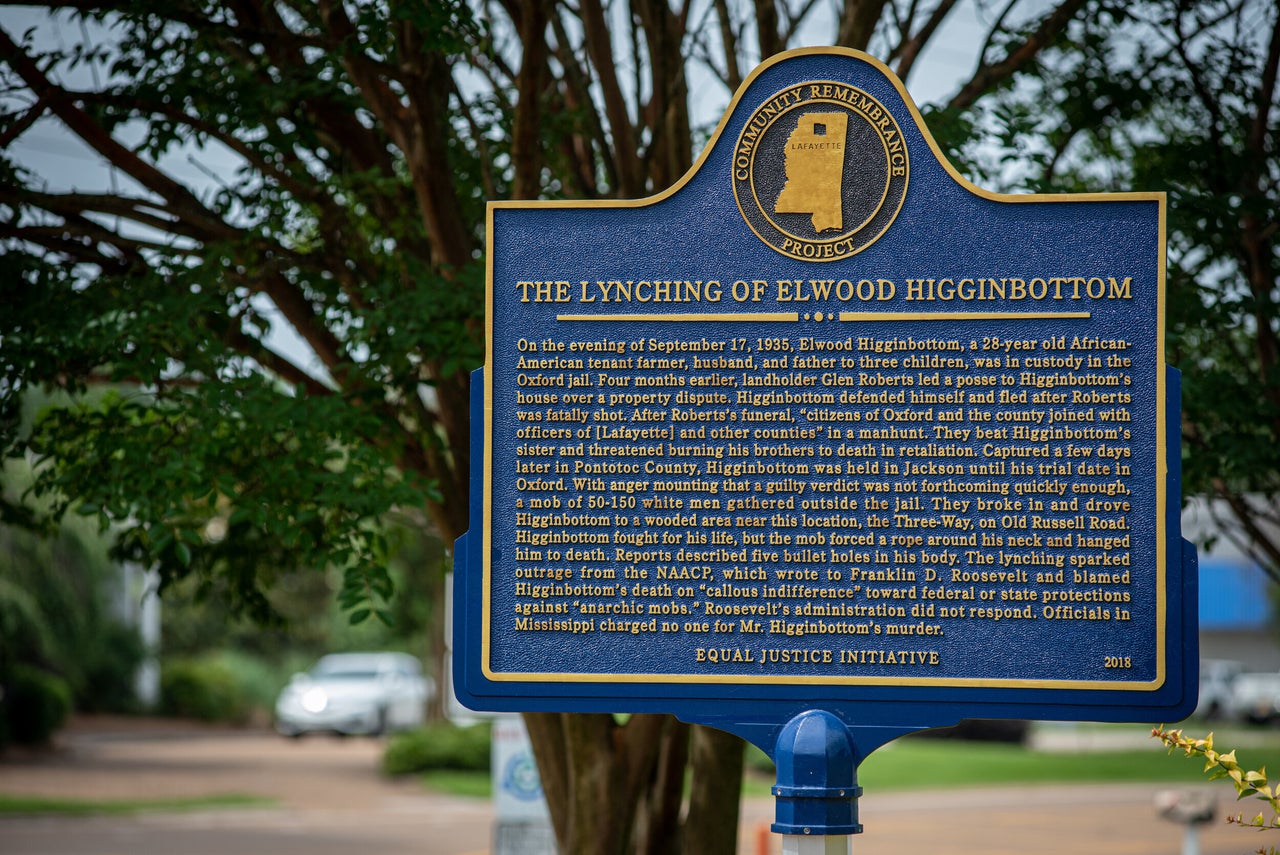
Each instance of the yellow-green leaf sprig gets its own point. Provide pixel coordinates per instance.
(1220, 765)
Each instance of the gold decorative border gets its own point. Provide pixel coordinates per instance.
(1162, 469)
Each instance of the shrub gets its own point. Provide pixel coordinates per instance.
(204, 689)
(259, 682)
(438, 746)
(108, 669)
(22, 624)
(56, 597)
(35, 704)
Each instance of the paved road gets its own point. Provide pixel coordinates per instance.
(332, 801)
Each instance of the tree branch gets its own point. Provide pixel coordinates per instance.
(83, 249)
(767, 35)
(278, 171)
(61, 104)
(668, 109)
(729, 44)
(788, 29)
(126, 207)
(526, 155)
(858, 23)
(274, 362)
(20, 127)
(1257, 537)
(575, 89)
(624, 149)
(909, 49)
(365, 73)
(428, 82)
(1260, 129)
(987, 77)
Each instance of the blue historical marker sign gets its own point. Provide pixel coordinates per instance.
(826, 425)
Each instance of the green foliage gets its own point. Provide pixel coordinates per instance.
(198, 620)
(438, 747)
(1219, 765)
(22, 627)
(257, 681)
(1176, 97)
(350, 149)
(34, 705)
(216, 457)
(251, 661)
(206, 689)
(107, 670)
(57, 612)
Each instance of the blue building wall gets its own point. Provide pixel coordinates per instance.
(1235, 595)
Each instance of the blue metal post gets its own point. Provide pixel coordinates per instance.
(816, 797)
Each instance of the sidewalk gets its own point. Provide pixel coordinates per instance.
(1054, 820)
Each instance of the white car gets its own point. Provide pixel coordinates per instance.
(355, 693)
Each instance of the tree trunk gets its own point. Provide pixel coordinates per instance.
(716, 793)
(618, 789)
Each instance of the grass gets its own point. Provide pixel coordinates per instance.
(458, 783)
(917, 764)
(42, 805)
(938, 764)
(914, 763)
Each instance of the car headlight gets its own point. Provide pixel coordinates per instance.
(315, 700)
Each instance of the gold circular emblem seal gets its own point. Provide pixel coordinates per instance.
(820, 171)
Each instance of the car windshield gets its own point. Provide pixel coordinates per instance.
(341, 673)
(348, 668)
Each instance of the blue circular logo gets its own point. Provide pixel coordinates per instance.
(520, 778)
